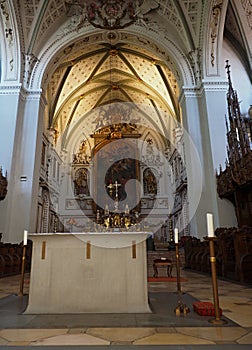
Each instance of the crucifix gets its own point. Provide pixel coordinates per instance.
(111, 186)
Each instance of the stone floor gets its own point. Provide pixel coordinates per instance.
(161, 329)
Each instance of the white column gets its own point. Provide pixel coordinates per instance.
(22, 196)
(216, 109)
(9, 98)
(215, 100)
(209, 138)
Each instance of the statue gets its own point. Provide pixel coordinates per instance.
(127, 221)
(116, 221)
(107, 222)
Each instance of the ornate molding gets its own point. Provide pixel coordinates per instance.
(109, 14)
(30, 61)
(195, 58)
(214, 26)
(8, 29)
(247, 6)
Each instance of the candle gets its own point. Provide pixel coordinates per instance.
(210, 227)
(25, 237)
(126, 209)
(176, 235)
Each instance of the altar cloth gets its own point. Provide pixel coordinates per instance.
(88, 273)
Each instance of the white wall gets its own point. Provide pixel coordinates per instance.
(239, 77)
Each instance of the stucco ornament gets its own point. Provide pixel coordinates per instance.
(110, 14)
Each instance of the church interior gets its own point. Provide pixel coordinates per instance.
(126, 131)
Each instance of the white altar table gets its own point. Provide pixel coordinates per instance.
(88, 273)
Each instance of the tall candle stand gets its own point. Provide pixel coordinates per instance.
(21, 292)
(178, 268)
(181, 307)
(217, 320)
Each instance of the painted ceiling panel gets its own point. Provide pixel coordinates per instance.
(172, 80)
(148, 73)
(81, 50)
(79, 74)
(114, 62)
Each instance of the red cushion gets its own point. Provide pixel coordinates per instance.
(205, 308)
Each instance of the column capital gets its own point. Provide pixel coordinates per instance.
(34, 95)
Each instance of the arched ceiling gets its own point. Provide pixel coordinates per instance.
(108, 73)
(114, 70)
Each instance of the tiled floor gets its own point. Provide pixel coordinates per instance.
(162, 327)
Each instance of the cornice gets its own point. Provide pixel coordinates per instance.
(214, 85)
(10, 89)
(18, 89)
(205, 86)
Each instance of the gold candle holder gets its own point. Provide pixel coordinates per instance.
(181, 307)
(178, 268)
(21, 291)
(217, 319)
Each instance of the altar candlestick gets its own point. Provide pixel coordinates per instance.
(177, 259)
(21, 292)
(217, 320)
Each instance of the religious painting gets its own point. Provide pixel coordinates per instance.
(81, 182)
(149, 182)
(115, 165)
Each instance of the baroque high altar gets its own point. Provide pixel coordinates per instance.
(118, 181)
(115, 162)
(115, 179)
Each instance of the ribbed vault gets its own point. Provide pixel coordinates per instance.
(108, 73)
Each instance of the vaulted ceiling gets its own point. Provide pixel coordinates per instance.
(111, 73)
(99, 73)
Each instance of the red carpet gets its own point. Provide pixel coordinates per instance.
(165, 279)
